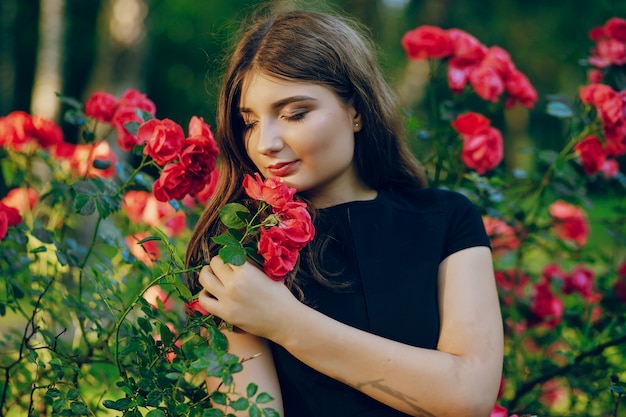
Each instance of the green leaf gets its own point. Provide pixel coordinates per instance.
(264, 398)
(239, 404)
(617, 389)
(234, 215)
(78, 408)
(148, 239)
(132, 127)
(70, 101)
(84, 205)
(213, 412)
(234, 255)
(270, 412)
(251, 389)
(144, 324)
(219, 398)
(120, 405)
(217, 339)
(166, 334)
(225, 240)
(156, 413)
(254, 411)
(89, 136)
(42, 234)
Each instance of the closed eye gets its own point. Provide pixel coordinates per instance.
(296, 117)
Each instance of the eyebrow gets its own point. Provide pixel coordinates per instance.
(283, 102)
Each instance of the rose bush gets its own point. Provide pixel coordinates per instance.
(97, 320)
(558, 232)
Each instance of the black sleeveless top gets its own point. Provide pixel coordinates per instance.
(388, 251)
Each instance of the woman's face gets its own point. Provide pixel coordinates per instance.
(304, 134)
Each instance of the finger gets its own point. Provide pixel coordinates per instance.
(219, 266)
(209, 281)
(208, 302)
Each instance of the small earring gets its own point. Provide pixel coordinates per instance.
(356, 125)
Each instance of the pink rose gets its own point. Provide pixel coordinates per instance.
(101, 106)
(596, 94)
(610, 168)
(197, 127)
(580, 280)
(426, 42)
(458, 74)
(500, 60)
(16, 129)
(511, 285)
(84, 156)
(498, 411)
(163, 138)
(570, 222)
(134, 204)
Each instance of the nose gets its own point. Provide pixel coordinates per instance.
(269, 138)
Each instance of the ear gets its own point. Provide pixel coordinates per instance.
(356, 122)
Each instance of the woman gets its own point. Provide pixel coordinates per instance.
(393, 310)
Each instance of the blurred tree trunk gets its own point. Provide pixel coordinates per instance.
(122, 47)
(48, 70)
(8, 12)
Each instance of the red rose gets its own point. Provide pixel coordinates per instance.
(101, 106)
(84, 156)
(147, 252)
(9, 216)
(175, 182)
(615, 28)
(499, 411)
(209, 188)
(595, 76)
(608, 52)
(272, 191)
(570, 222)
(197, 127)
(198, 155)
(194, 308)
(483, 151)
(500, 60)
(295, 221)
(519, 90)
(22, 199)
(466, 46)
(596, 94)
(502, 236)
(511, 285)
(134, 204)
(612, 111)
(486, 82)
(553, 272)
(458, 74)
(620, 285)
(125, 114)
(47, 132)
(470, 123)
(580, 280)
(610, 168)
(137, 99)
(278, 252)
(163, 138)
(545, 305)
(16, 129)
(591, 153)
(426, 42)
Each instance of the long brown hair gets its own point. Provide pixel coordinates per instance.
(319, 48)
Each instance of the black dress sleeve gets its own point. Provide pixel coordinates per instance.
(464, 225)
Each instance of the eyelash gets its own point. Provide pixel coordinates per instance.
(293, 118)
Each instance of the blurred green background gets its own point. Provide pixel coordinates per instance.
(173, 50)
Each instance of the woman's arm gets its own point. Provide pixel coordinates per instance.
(461, 377)
(258, 368)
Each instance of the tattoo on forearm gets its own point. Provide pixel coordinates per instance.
(379, 385)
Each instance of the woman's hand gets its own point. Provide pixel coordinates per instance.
(245, 296)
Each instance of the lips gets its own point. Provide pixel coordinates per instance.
(282, 169)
